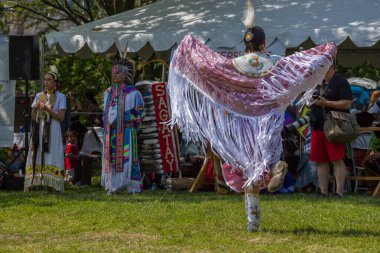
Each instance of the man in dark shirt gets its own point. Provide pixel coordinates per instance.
(335, 95)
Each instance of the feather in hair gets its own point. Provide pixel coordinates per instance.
(249, 16)
(53, 68)
(54, 71)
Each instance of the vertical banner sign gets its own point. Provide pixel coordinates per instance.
(7, 97)
(165, 133)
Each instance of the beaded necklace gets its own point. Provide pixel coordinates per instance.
(48, 98)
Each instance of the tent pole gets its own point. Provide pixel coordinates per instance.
(27, 117)
(165, 59)
(163, 72)
(42, 62)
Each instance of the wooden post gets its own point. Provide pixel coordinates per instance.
(201, 179)
(376, 192)
(176, 150)
(220, 185)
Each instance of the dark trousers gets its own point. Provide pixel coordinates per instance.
(83, 172)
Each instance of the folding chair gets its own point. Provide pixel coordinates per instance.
(91, 158)
(7, 170)
(362, 142)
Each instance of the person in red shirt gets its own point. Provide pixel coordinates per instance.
(71, 156)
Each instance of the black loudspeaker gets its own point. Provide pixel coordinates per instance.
(24, 58)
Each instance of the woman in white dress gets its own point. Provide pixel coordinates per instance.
(45, 162)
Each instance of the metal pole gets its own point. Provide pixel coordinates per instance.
(163, 72)
(27, 117)
(42, 62)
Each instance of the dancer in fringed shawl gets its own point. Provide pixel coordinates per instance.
(237, 106)
(123, 114)
(45, 162)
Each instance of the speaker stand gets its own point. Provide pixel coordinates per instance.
(27, 118)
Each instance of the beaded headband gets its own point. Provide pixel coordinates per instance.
(54, 75)
(125, 69)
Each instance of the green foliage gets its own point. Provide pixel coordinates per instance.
(87, 220)
(364, 70)
(84, 75)
(5, 155)
(25, 13)
(2, 17)
(81, 75)
(51, 14)
(151, 70)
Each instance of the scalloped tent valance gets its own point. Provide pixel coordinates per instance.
(159, 26)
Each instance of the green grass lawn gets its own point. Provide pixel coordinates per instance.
(87, 220)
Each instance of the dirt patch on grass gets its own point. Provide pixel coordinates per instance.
(106, 236)
(267, 240)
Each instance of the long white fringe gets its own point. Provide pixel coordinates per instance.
(44, 180)
(252, 144)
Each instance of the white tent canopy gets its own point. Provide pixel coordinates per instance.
(162, 25)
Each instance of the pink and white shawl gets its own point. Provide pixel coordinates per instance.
(241, 116)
